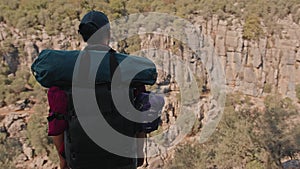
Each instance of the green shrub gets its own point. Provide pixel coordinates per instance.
(53, 156)
(252, 28)
(25, 95)
(32, 81)
(297, 137)
(189, 156)
(53, 14)
(3, 136)
(10, 98)
(287, 103)
(18, 85)
(245, 138)
(4, 70)
(10, 149)
(267, 88)
(271, 101)
(130, 45)
(38, 138)
(37, 134)
(298, 92)
(41, 108)
(233, 99)
(133, 44)
(2, 92)
(23, 73)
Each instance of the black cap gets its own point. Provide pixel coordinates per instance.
(91, 22)
(98, 19)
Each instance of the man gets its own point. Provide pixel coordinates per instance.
(91, 156)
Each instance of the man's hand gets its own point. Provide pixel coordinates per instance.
(63, 163)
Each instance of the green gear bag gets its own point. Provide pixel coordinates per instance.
(56, 67)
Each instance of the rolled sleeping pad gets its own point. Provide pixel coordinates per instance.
(56, 67)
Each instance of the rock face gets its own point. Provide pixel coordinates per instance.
(253, 67)
(291, 164)
(194, 76)
(32, 51)
(250, 66)
(267, 65)
(11, 57)
(13, 125)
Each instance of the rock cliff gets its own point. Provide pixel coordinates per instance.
(255, 67)
(267, 65)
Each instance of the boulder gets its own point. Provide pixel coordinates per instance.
(28, 151)
(16, 127)
(14, 123)
(291, 164)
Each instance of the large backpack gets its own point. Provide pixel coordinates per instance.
(80, 150)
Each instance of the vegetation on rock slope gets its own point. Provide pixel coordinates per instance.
(240, 133)
(246, 138)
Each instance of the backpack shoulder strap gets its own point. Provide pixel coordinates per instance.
(113, 62)
(112, 59)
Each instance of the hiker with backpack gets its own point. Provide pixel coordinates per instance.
(75, 148)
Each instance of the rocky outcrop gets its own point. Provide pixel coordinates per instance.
(14, 126)
(256, 68)
(11, 57)
(32, 51)
(32, 44)
(291, 164)
(251, 66)
(270, 64)
(259, 67)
